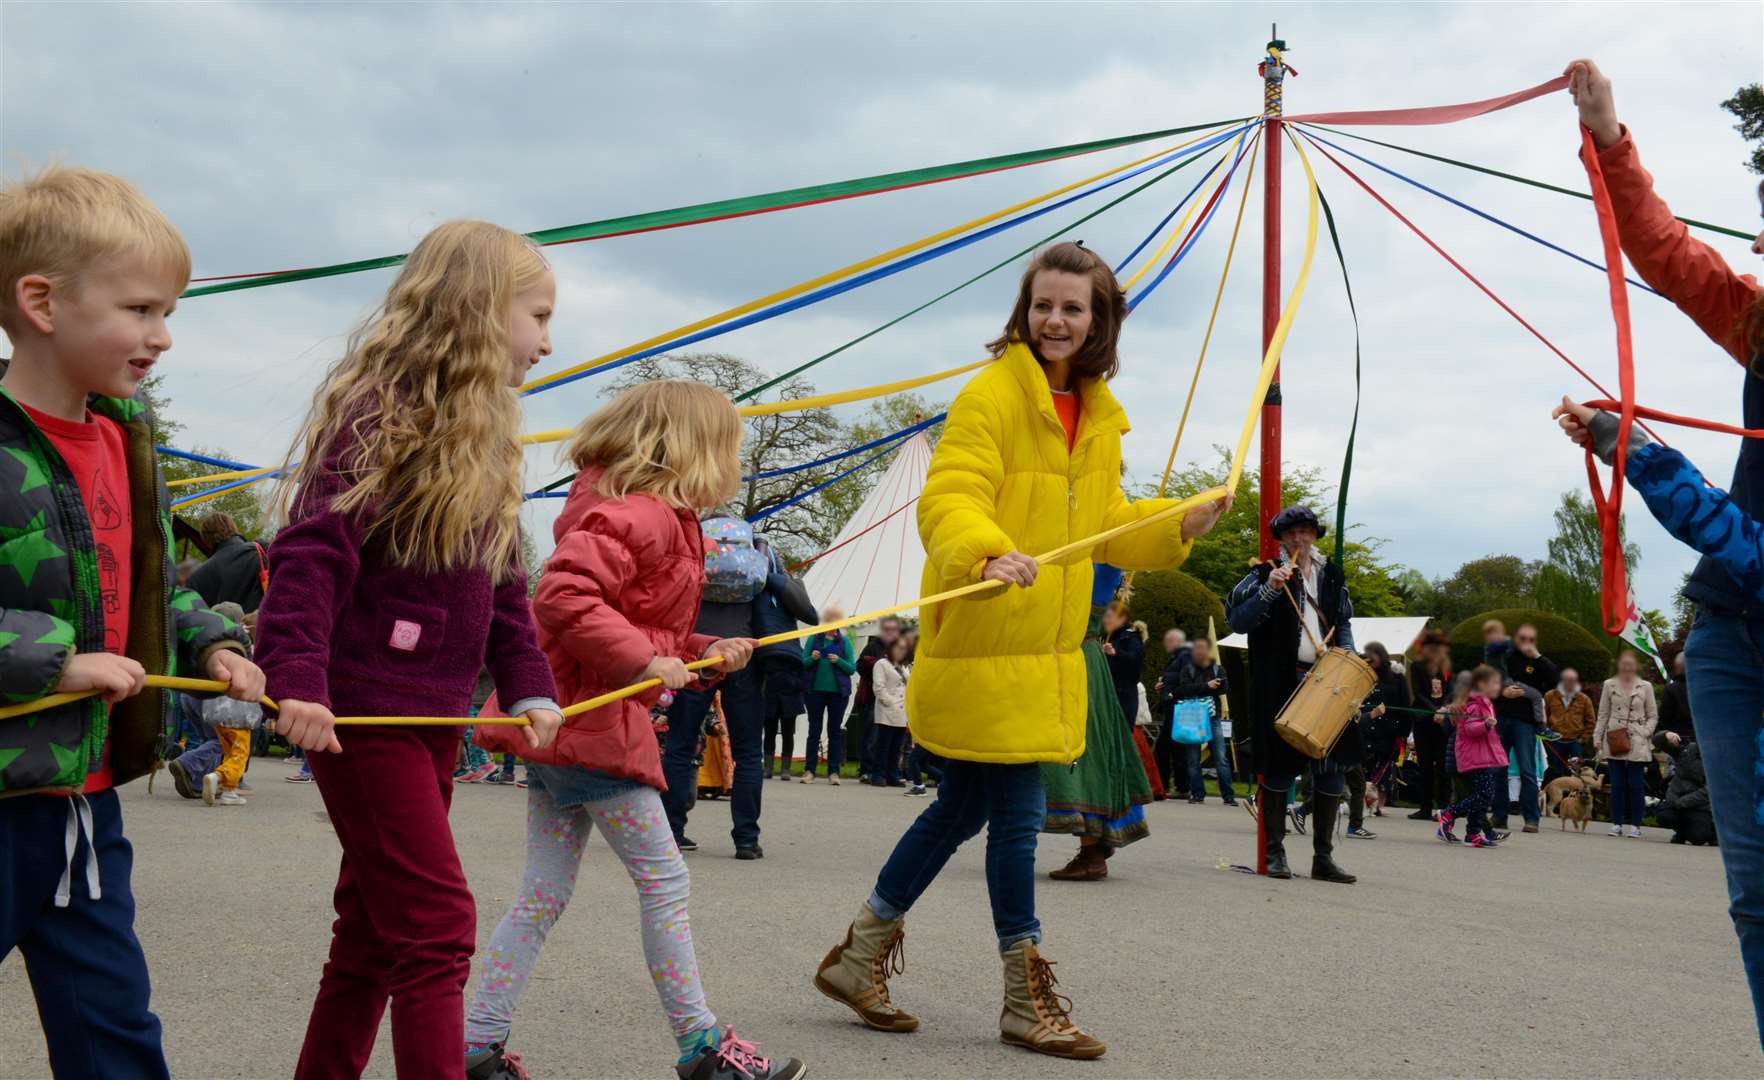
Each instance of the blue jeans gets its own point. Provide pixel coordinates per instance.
(85, 964)
(1520, 739)
(1628, 783)
(888, 741)
(744, 712)
(1008, 802)
(1197, 786)
(1724, 667)
(922, 763)
(825, 707)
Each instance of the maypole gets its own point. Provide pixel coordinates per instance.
(1273, 70)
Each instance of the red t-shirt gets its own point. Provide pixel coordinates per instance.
(95, 452)
(1066, 405)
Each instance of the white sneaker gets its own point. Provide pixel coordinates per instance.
(1616, 830)
(229, 798)
(210, 788)
(1635, 832)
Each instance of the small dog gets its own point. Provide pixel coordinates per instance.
(1570, 798)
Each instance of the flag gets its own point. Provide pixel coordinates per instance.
(1636, 632)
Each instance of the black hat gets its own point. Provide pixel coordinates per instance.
(1292, 517)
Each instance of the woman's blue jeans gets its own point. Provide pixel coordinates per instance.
(1008, 802)
(1629, 781)
(1724, 667)
(1197, 787)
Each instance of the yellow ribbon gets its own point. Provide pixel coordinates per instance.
(1206, 339)
(818, 401)
(846, 271)
(214, 478)
(211, 686)
(1181, 226)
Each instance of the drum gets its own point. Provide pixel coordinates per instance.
(1326, 701)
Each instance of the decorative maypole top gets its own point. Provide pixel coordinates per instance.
(1273, 70)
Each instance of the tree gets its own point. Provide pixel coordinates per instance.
(1568, 583)
(1683, 611)
(772, 442)
(1480, 584)
(1747, 103)
(1224, 555)
(245, 505)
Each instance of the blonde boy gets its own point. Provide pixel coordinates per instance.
(89, 272)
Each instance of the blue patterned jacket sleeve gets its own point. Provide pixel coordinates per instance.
(1702, 516)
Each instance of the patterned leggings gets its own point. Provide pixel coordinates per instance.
(1483, 787)
(636, 827)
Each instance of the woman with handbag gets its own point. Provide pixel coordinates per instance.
(1202, 686)
(1628, 715)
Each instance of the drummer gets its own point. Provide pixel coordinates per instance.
(1266, 605)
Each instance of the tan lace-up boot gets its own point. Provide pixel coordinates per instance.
(855, 973)
(1036, 1016)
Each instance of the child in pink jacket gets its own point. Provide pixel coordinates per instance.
(1480, 757)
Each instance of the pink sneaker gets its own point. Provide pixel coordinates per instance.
(1444, 832)
(479, 774)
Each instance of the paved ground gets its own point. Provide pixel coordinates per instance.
(1442, 962)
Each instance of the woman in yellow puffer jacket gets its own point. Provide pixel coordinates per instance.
(1030, 460)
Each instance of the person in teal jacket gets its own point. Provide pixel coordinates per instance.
(830, 664)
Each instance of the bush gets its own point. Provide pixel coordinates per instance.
(1168, 599)
(1565, 643)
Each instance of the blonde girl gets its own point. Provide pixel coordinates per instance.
(395, 577)
(616, 605)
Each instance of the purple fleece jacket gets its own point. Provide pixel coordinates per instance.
(343, 627)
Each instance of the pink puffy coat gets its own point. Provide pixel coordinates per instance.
(622, 588)
(1479, 744)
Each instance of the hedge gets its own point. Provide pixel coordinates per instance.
(1565, 643)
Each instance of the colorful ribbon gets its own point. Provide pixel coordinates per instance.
(889, 262)
(724, 209)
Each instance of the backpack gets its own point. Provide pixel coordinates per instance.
(734, 570)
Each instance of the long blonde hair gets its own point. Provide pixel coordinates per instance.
(675, 439)
(419, 414)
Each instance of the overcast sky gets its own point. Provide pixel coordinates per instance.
(290, 135)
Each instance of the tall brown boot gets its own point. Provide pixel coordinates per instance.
(1036, 1016)
(855, 973)
(1088, 865)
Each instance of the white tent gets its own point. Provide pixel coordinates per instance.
(876, 560)
(1396, 634)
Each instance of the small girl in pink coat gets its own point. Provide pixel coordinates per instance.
(1480, 757)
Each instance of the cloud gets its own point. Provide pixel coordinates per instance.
(280, 136)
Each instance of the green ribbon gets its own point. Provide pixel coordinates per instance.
(1722, 229)
(1347, 461)
(746, 395)
(727, 208)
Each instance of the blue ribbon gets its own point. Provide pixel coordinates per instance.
(1188, 245)
(203, 458)
(1174, 210)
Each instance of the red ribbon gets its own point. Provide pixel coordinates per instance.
(1436, 114)
(1613, 577)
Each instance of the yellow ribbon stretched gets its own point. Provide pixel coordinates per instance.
(1277, 342)
(818, 401)
(1206, 339)
(211, 686)
(1182, 226)
(214, 478)
(846, 271)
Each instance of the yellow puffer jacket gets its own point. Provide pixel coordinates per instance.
(998, 676)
